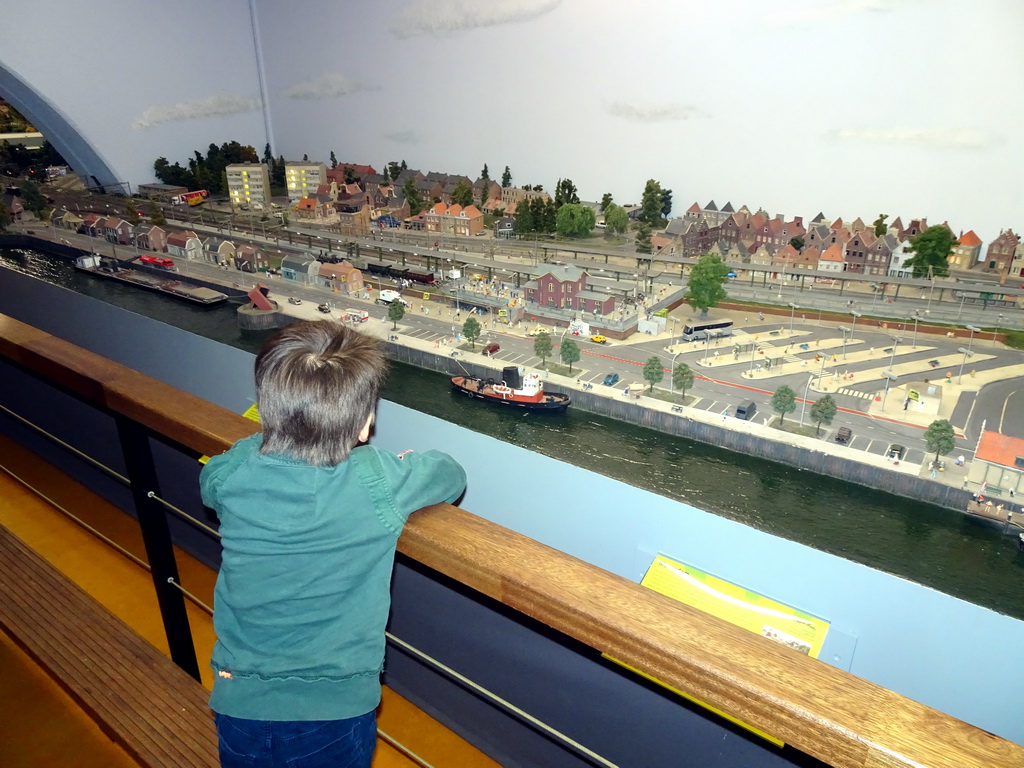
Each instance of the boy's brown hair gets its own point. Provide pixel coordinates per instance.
(317, 383)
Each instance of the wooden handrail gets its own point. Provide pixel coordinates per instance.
(818, 709)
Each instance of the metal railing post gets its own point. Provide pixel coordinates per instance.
(156, 536)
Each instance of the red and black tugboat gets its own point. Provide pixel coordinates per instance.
(516, 389)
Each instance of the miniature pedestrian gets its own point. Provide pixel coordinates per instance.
(760, 315)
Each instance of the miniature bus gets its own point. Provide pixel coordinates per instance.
(707, 330)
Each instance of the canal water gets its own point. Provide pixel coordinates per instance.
(936, 547)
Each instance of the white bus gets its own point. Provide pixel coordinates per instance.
(707, 330)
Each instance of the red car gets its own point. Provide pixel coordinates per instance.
(490, 349)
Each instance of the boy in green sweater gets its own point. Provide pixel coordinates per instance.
(309, 520)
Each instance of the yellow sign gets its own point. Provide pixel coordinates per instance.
(426, 296)
(752, 611)
(913, 394)
(251, 413)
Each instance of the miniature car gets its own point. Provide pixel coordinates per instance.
(325, 308)
(490, 349)
(293, 300)
(843, 435)
(611, 379)
(537, 330)
(598, 339)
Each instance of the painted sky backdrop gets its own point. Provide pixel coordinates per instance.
(849, 107)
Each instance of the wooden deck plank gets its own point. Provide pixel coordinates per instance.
(156, 712)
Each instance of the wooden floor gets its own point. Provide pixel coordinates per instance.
(39, 724)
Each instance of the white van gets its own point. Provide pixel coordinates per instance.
(387, 296)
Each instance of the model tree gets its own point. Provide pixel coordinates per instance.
(931, 249)
(33, 198)
(643, 237)
(879, 224)
(396, 311)
(542, 346)
(651, 203)
(939, 437)
(156, 215)
(574, 220)
(484, 173)
(706, 280)
(413, 196)
(471, 330)
(131, 209)
(565, 193)
(506, 178)
(616, 220)
(823, 411)
(783, 402)
(682, 379)
(653, 372)
(606, 200)
(5, 217)
(569, 352)
(463, 194)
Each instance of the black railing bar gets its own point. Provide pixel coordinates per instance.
(587, 753)
(67, 446)
(183, 514)
(130, 555)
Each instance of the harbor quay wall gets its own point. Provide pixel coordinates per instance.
(820, 462)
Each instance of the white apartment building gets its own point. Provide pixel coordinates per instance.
(303, 178)
(249, 185)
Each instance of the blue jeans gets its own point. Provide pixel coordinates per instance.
(297, 744)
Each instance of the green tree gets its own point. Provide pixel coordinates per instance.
(783, 402)
(939, 436)
(33, 199)
(643, 237)
(412, 195)
(879, 224)
(393, 169)
(606, 200)
(931, 250)
(542, 347)
(823, 411)
(524, 218)
(797, 242)
(268, 156)
(616, 220)
(565, 193)
(5, 217)
(666, 202)
(506, 178)
(485, 174)
(156, 215)
(569, 352)
(653, 372)
(574, 220)
(351, 177)
(463, 194)
(471, 330)
(705, 289)
(334, 160)
(682, 379)
(396, 311)
(131, 209)
(651, 203)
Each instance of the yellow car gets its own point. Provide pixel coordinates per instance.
(598, 339)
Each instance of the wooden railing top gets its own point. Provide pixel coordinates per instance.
(823, 711)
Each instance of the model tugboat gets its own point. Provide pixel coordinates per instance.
(516, 389)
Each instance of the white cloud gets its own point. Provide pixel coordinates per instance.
(215, 106)
(438, 17)
(651, 113)
(326, 87)
(931, 138)
(403, 137)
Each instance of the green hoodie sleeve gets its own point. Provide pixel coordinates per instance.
(400, 486)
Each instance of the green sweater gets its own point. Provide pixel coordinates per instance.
(302, 596)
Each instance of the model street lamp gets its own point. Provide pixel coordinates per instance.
(792, 316)
(915, 317)
(853, 325)
(889, 377)
(995, 331)
(845, 331)
(970, 341)
(807, 386)
(895, 340)
(967, 353)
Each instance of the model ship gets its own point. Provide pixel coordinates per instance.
(516, 389)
